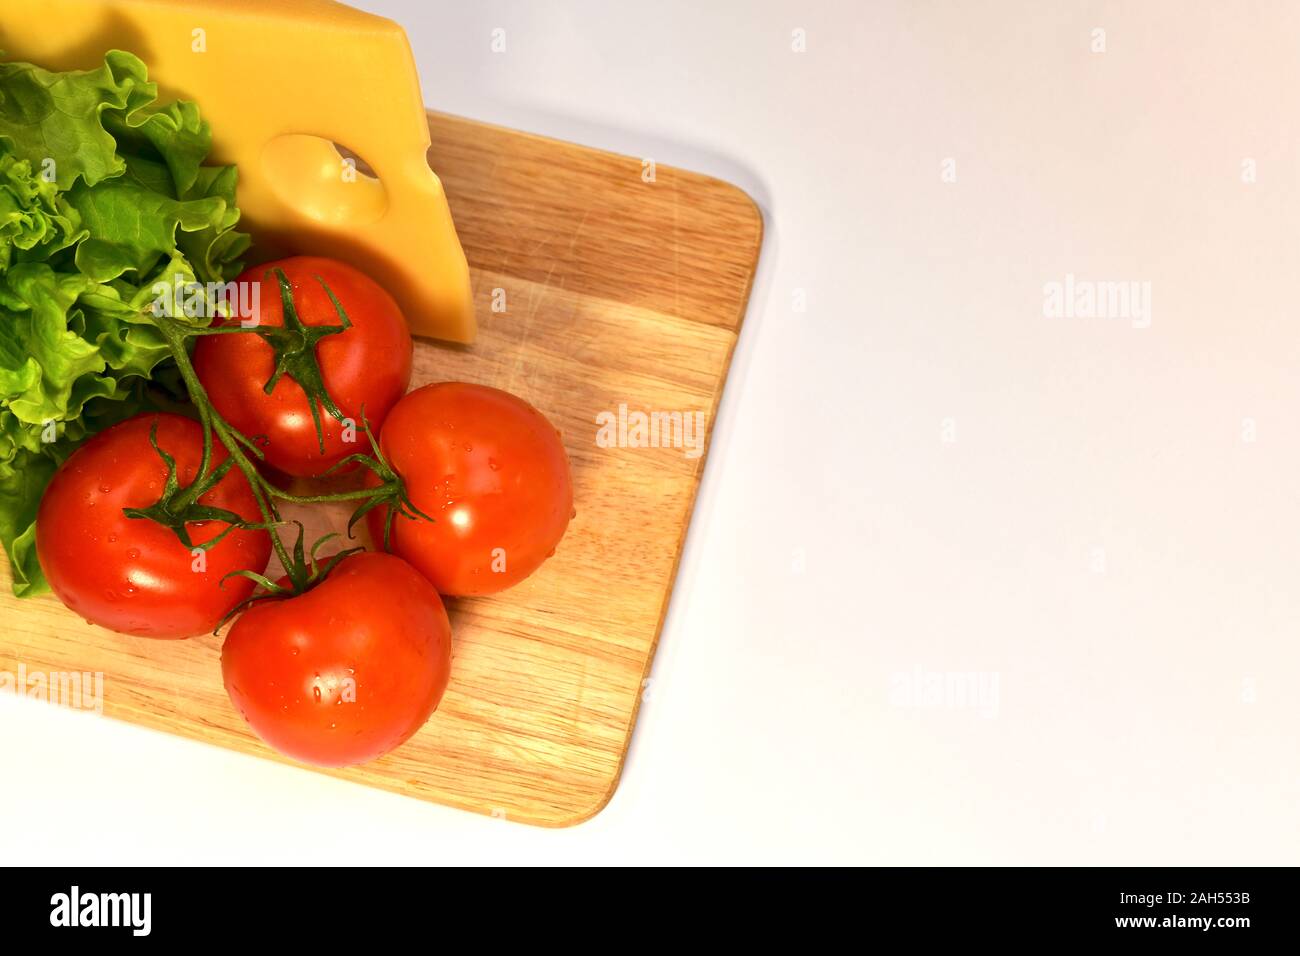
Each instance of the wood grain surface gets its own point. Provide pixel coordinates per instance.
(617, 291)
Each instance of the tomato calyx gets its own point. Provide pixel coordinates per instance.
(294, 344)
(303, 572)
(178, 507)
(390, 492)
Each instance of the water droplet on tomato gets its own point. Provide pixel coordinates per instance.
(133, 553)
(316, 691)
(492, 463)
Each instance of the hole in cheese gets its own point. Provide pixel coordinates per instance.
(322, 181)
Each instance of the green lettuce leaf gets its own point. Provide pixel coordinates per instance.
(103, 195)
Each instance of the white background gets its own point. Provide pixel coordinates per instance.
(1099, 536)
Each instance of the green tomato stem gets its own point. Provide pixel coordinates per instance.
(302, 571)
(176, 335)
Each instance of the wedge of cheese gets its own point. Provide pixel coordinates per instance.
(284, 83)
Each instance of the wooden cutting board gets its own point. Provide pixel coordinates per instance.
(616, 291)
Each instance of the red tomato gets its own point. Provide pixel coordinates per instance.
(347, 671)
(132, 574)
(367, 365)
(492, 473)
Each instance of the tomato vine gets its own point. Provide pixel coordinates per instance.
(179, 505)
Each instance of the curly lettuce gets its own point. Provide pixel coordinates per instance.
(104, 194)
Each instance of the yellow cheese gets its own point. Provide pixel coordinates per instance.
(282, 82)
